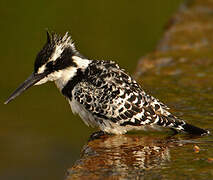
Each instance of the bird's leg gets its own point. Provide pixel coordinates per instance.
(97, 135)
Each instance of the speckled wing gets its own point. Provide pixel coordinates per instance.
(111, 94)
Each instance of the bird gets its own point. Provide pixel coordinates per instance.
(102, 93)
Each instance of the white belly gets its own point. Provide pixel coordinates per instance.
(85, 115)
(90, 120)
(104, 125)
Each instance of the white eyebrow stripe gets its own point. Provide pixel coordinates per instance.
(57, 53)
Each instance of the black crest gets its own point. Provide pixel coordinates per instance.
(52, 41)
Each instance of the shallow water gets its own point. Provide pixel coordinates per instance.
(147, 156)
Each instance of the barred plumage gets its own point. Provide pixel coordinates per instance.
(101, 92)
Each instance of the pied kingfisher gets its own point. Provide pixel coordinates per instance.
(101, 92)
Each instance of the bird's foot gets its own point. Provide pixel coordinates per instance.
(96, 135)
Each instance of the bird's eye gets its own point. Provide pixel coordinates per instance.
(49, 66)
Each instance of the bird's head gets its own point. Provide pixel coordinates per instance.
(58, 60)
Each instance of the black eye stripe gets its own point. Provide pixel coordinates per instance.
(65, 60)
(49, 64)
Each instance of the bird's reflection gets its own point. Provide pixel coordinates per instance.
(121, 156)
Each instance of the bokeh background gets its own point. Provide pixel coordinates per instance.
(39, 136)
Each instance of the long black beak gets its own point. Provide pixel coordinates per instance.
(30, 81)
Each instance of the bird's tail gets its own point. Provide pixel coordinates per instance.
(194, 130)
(180, 125)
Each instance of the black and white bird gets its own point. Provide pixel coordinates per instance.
(101, 92)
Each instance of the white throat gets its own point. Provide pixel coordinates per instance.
(63, 76)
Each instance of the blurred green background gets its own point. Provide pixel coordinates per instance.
(40, 138)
